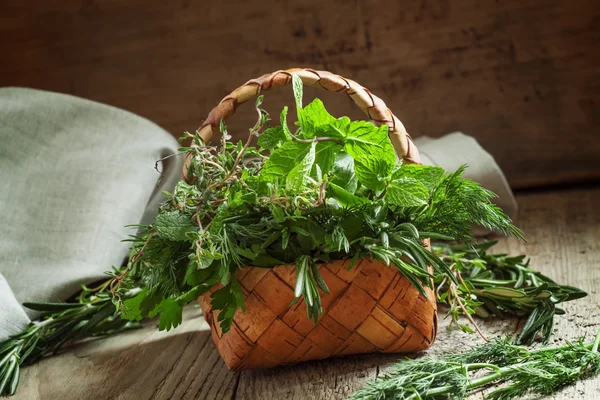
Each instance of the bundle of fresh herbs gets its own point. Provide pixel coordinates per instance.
(330, 189)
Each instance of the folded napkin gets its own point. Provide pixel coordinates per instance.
(75, 172)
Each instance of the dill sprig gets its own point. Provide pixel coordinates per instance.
(517, 370)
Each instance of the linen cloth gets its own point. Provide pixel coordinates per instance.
(74, 172)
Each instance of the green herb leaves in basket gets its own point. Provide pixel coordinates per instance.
(329, 188)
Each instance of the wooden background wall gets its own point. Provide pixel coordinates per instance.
(521, 76)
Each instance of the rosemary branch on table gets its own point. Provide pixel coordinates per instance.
(92, 314)
(500, 285)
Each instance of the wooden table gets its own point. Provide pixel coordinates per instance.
(563, 232)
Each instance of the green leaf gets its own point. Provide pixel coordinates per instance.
(315, 121)
(227, 300)
(171, 314)
(342, 172)
(272, 138)
(297, 87)
(284, 125)
(406, 192)
(283, 160)
(504, 292)
(52, 307)
(371, 172)
(319, 278)
(373, 153)
(325, 155)
(344, 197)
(132, 307)
(298, 176)
(429, 176)
(174, 226)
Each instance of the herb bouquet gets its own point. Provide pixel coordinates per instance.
(315, 243)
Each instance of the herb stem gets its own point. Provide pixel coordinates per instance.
(465, 312)
(499, 373)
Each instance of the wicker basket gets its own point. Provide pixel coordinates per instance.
(371, 308)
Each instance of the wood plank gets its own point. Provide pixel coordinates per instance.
(141, 364)
(522, 77)
(563, 231)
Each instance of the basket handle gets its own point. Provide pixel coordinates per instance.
(370, 104)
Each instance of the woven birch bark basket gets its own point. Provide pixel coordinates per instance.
(370, 308)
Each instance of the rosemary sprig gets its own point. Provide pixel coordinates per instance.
(92, 314)
(502, 286)
(520, 371)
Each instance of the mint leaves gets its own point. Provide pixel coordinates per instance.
(284, 160)
(407, 192)
(174, 226)
(298, 176)
(371, 152)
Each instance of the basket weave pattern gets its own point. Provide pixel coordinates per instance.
(371, 308)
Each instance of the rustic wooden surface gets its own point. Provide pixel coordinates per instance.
(563, 229)
(521, 76)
